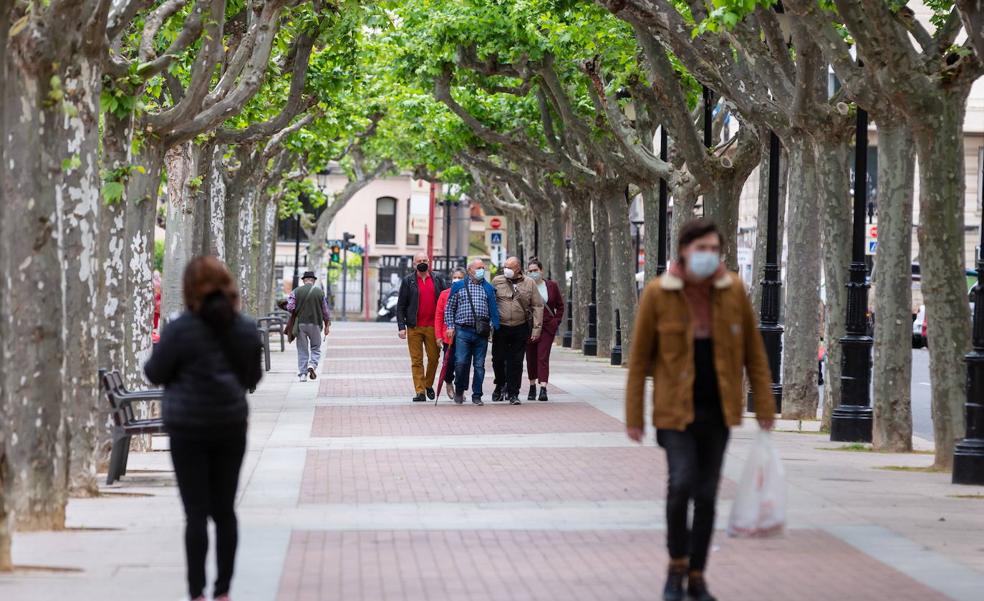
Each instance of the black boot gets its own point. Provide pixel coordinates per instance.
(543, 393)
(697, 588)
(532, 395)
(673, 591)
(497, 395)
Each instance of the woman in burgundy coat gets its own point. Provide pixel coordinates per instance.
(538, 351)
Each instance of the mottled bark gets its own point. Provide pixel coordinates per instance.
(833, 169)
(215, 193)
(940, 144)
(623, 267)
(557, 262)
(762, 220)
(32, 343)
(526, 238)
(892, 374)
(180, 163)
(603, 261)
(112, 248)
(141, 213)
(802, 327)
(682, 212)
(77, 198)
(6, 562)
(650, 239)
(581, 241)
(722, 205)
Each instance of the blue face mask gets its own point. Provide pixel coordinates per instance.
(533, 274)
(480, 274)
(702, 264)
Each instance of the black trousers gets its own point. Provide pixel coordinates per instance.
(508, 353)
(207, 470)
(694, 458)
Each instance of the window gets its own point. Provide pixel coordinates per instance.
(412, 239)
(386, 220)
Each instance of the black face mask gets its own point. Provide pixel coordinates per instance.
(421, 267)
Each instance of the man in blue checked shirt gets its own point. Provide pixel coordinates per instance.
(470, 305)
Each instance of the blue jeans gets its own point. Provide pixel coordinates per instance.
(469, 347)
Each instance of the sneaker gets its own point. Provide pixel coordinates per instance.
(543, 394)
(312, 374)
(459, 399)
(449, 389)
(697, 588)
(673, 590)
(430, 393)
(477, 401)
(514, 400)
(302, 377)
(419, 398)
(532, 395)
(497, 396)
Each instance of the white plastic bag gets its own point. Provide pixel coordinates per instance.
(759, 509)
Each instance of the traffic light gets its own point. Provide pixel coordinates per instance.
(347, 237)
(334, 253)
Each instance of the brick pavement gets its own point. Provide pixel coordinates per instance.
(494, 565)
(426, 419)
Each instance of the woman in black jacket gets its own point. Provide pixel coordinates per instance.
(206, 360)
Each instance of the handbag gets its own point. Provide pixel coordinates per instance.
(483, 325)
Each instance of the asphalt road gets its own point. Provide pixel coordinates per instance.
(922, 423)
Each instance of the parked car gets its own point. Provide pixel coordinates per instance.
(919, 328)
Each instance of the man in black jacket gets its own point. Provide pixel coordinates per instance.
(415, 311)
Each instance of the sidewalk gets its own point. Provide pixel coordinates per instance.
(351, 492)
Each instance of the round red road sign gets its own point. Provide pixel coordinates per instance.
(495, 223)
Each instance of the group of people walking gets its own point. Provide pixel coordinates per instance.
(518, 311)
(695, 335)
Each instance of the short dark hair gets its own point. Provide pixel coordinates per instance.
(535, 261)
(697, 228)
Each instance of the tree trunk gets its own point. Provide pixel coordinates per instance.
(802, 327)
(762, 220)
(526, 238)
(179, 237)
(833, 156)
(892, 373)
(721, 205)
(78, 198)
(683, 211)
(580, 265)
(141, 214)
(32, 343)
(6, 563)
(267, 219)
(651, 216)
(603, 261)
(623, 267)
(215, 195)
(940, 144)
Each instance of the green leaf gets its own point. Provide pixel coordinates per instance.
(112, 191)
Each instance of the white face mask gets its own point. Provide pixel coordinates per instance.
(455, 280)
(702, 264)
(509, 273)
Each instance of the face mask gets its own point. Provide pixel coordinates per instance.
(480, 274)
(509, 273)
(455, 280)
(421, 267)
(533, 274)
(702, 264)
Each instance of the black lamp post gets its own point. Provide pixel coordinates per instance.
(663, 207)
(590, 345)
(968, 454)
(771, 285)
(638, 229)
(708, 116)
(852, 420)
(616, 356)
(568, 340)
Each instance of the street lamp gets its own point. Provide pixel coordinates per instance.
(708, 116)
(568, 340)
(590, 345)
(852, 420)
(968, 454)
(771, 285)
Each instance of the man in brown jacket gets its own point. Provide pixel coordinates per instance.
(696, 336)
(520, 321)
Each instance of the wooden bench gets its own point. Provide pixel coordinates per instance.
(125, 423)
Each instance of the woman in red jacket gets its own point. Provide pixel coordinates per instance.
(538, 351)
(441, 330)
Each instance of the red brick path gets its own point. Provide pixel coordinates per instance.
(482, 565)
(485, 475)
(447, 419)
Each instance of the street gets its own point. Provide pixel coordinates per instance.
(922, 422)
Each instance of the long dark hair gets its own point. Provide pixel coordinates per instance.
(211, 292)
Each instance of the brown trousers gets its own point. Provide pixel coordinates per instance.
(420, 340)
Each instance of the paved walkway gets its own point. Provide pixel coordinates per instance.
(351, 492)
